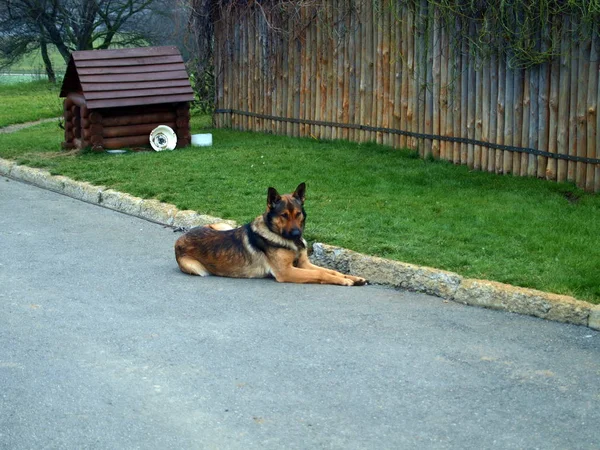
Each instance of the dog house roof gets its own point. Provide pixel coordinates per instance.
(128, 77)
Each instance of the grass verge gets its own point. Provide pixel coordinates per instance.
(365, 197)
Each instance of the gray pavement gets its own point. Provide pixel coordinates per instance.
(105, 344)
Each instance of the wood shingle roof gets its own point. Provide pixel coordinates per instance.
(128, 77)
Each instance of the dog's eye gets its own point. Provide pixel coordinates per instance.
(285, 215)
(298, 214)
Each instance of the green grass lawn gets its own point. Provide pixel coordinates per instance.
(25, 102)
(365, 197)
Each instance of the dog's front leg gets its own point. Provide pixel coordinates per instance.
(304, 263)
(284, 271)
(296, 275)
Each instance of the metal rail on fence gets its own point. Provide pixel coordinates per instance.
(531, 151)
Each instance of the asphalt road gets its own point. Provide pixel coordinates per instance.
(105, 344)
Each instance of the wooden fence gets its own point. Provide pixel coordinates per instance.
(401, 77)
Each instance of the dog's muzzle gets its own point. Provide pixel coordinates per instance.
(293, 234)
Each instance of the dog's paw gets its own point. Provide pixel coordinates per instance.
(356, 281)
(359, 281)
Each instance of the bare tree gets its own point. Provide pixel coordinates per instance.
(29, 25)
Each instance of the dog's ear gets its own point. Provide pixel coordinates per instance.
(272, 197)
(300, 192)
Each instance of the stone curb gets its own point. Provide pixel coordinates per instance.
(451, 286)
(149, 209)
(447, 285)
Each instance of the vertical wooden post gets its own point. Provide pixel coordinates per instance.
(296, 84)
(325, 49)
(485, 113)
(553, 116)
(314, 73)
(417, 82)
(258, 93)
(493, 121)
(535, 128)
(406, 73)
(241, 67)
(377, 111)
(356, 45)
(517, 117)
(305, 94)
(397, 56)
(303, 32)
(411, 84)
(218, 81)
(582, 114)
(285, 80)
(457, 93)
(388, 70)
(592, 115)
(477, 150)
(464, 100)
(564, 100)
(329, 75)
(375, 96)
(444, 81)
(508, 118)
(366, 82)
(273, 71)
(250, 70)
(543, 108)
(436, 77)
(227, 71)
(501, 108)
(421, 71)
(573, 90)
(597, 150)
(335, 68)
(470, 98)
(319, 83)
(234, 98)
(522, 116)
(265, 76)
(346, 67)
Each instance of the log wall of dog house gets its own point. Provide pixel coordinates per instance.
(115, 98)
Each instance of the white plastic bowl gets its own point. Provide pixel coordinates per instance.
(202, 140)
(163, 138)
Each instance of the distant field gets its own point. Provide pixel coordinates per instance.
(15, 78)
(33, 63)
(31, 68)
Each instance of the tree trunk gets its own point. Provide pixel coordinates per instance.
(47, 61)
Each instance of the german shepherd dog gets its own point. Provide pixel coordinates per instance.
(270, 245)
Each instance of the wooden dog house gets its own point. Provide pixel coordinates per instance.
(115, 98)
